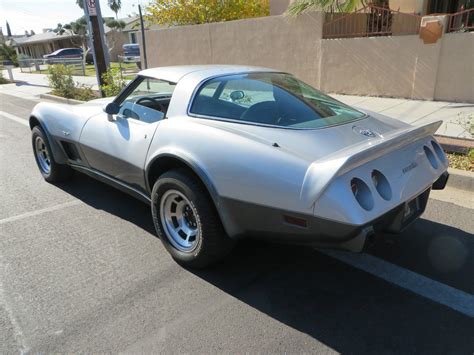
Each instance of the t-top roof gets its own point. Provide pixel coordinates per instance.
(175, 73)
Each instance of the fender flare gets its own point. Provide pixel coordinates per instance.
(231, 228)
(58, 153)
(191, 163)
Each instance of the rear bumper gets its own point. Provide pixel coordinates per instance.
(243, 219)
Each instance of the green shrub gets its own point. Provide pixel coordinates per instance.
(114, 82)
(84, 93)
(8, 53)
(62, 84)
(2, 79)
(60, 80)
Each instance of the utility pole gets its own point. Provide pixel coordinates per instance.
(96, 31)
(145, 62)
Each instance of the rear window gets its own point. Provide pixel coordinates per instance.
(275, 99)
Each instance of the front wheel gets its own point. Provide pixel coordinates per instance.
(49, 168)
(187, 222)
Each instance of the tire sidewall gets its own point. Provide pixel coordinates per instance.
(38, 132)
(169, 183)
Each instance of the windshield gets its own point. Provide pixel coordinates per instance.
(276, 99)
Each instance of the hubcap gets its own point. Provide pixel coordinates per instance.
(180, 220)
(42, 155)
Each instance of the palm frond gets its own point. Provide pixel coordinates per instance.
(299, 7)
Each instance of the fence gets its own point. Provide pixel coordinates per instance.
(461, 21)
(370, 21)
(128, 67)
(42, 65)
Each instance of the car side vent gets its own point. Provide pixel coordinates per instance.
(71, 151)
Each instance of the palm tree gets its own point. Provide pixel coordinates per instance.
(61, 29)
(298, 7)
(80, 3)
(115, 6)
(117, 25)
(302, 6)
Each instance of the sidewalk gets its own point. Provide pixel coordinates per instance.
(30, 86)
(415, 112)
(418, 112)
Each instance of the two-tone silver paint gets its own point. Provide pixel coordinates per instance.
(303, 171)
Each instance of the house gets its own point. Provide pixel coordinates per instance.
(35, 46)
(421, 7)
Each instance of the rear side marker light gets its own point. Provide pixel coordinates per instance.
(300, 222)
(362, 194)
(431, 157)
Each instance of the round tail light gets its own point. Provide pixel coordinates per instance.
(431, 157)
(382, 185)
(439, 152)
(362, 194)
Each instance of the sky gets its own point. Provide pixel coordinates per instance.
(38, 14)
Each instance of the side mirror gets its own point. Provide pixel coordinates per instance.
(112, 108)
(237, 95)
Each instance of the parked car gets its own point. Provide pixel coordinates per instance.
(225, 152)
(64, 53)
(90, 56)
(131, 53)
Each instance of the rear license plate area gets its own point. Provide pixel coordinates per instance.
(411, 210)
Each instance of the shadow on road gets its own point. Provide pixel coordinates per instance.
(103, 197)
(347, 309)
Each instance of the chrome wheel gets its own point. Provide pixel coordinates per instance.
(42, 155)
(180, 220)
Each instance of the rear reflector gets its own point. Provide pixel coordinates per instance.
(300, 222)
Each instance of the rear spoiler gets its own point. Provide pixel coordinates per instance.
(323, 171)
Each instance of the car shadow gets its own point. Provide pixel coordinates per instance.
(345, 308)
(104, 197)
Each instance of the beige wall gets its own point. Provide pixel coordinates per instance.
(395, 66)
(455, 79)
(278, 7)
(275, 41)
(398, 66)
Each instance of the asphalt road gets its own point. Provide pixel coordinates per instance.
(82, 270)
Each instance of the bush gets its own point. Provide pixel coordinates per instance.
(62, 83)
(84, 93)
(2, 79)
(114, 82)
(8, 53)
(60, 80)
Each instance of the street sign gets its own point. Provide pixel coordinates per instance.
(91, 9)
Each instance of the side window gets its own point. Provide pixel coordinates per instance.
(245, 92)
(231, 96)
(149, 101)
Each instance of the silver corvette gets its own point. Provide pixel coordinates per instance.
(224, 152)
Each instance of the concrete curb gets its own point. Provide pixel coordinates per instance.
(61, 99)
(455, 144)
(460, 179)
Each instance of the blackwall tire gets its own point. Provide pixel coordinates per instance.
(48, 167)
(187, 222)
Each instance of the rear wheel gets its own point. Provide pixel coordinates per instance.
(49, 168)
(187, 222)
